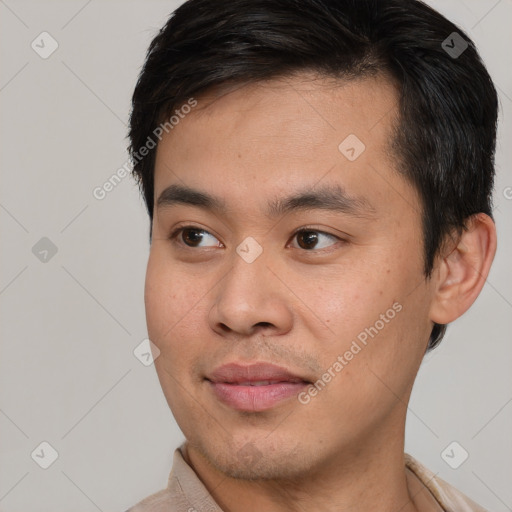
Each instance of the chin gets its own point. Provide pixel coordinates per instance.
(258, 459)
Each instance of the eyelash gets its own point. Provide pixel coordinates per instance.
(306, 229)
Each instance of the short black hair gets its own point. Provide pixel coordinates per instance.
(446, 133)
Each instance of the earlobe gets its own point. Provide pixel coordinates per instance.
(462, 272)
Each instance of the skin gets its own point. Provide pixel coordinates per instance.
(297, 305)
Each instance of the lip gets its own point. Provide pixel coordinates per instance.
(254, 387)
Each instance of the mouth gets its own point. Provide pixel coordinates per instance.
(255, 387)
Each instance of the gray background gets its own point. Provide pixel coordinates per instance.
(70, 324)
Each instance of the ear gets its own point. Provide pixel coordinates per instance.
(462, 270)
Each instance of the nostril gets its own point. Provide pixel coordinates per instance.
(225, 328)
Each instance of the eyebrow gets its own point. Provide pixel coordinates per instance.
(327, 197)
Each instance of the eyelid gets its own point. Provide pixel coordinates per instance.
(314, 228)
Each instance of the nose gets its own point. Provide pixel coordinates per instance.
(251, 300)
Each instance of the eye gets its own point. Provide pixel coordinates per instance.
(194, 237)
(310, 239)
(307, 239)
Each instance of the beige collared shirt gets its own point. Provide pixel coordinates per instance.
(186, 493)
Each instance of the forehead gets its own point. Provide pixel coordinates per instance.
(259, 139)
(302, 104)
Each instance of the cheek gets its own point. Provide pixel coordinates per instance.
(351, 296)
(172, 317)
(379, 307)
(382, 348)
(173, 298)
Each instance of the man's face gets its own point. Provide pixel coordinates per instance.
(331, 290)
